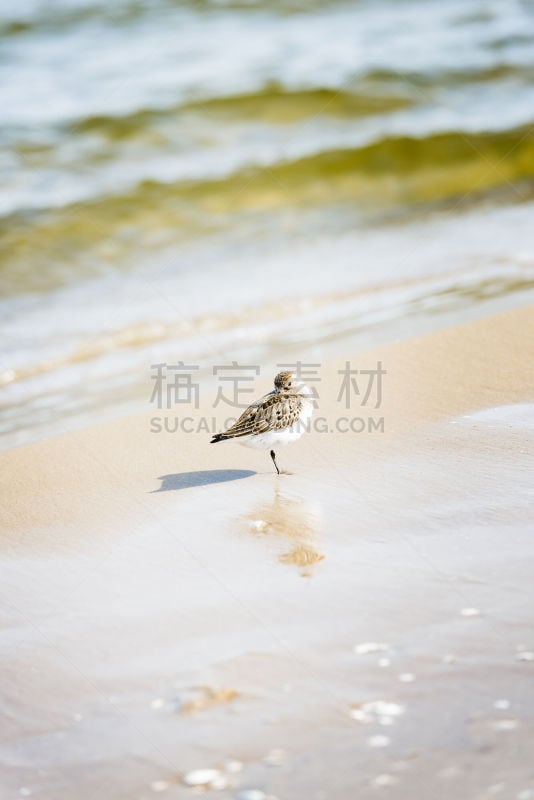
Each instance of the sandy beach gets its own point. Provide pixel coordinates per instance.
(197, 196)
(360, 627)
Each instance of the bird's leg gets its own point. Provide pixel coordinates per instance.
(274, 461)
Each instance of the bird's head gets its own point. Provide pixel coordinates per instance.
(284, 382)
(288, 383)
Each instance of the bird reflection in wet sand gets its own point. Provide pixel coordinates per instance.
(296, 523)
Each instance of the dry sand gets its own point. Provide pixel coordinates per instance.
(167, 605)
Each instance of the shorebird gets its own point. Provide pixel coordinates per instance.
(278, 418)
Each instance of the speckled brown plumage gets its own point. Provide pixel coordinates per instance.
(274, 412)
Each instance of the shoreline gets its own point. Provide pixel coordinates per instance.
(453, 274)
(168, 605)
(433, 376)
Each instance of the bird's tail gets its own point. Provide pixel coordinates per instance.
(219, 437)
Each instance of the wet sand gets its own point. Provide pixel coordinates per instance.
(361, 627)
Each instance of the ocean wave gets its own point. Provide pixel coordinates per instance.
(317, 174)
(373, 92)
(114, 365)
(304, 318)
(462, 75)
(394, 172)
(272, 103)
(65, 14)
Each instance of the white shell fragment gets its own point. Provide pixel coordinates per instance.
(506, 724)
(219, 783)
(252, 794)
(157, 703)
(258, 524)
(384, 708)
(370, 647)
(233, 766)
(470, 612)
(525, 655)
(406, 677)
(385, 780)
(380, 711)
(275, 758)
(384, 662)
(159, 786)
(201, 777)
(378, 741)
(501, 705)
(361, 716)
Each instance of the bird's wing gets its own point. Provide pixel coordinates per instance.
(272, 412)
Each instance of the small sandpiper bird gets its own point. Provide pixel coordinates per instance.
(278, 418)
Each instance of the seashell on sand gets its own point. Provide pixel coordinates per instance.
(525, 655)
(384, 780)
(257, 524)
(275, 758)
(159, 786)
(233, 766)
(370, 647)
(505, 724)
(382, 711)
(254, 794)
(201, 777)
(378, 741)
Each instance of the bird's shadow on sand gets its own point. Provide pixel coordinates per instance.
(203, 477)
